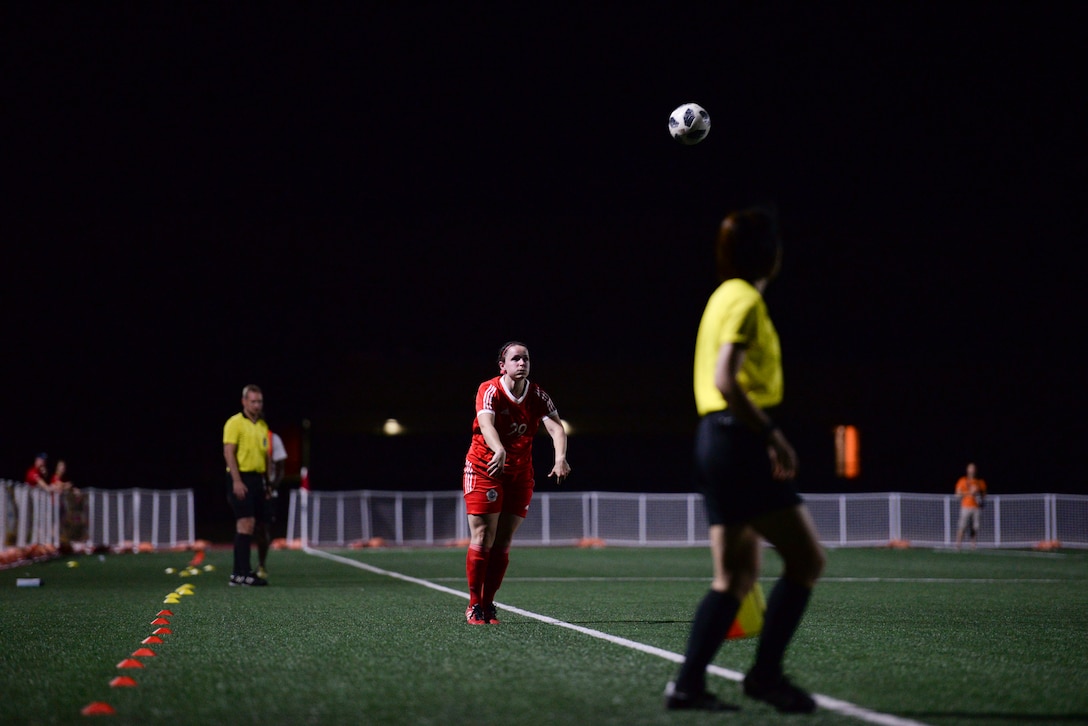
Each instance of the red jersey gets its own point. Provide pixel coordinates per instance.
(516, 420)
(36, 477)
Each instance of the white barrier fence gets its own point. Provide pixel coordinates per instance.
(111, 517)
(344, 518)
(166, 518)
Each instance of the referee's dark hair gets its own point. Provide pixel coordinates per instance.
(748, 245)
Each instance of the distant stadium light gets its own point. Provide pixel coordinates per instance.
(566, 426)
(392, 427)
(847, 452)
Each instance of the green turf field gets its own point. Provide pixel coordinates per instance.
(988, 637)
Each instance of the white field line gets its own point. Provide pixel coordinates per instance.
(936, 580)
(831, 704)
(953, 580)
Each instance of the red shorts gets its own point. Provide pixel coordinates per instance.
(510, 494)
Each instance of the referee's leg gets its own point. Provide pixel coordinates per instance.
(244, 522)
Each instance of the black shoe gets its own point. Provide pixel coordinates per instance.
(678, 701)
(490, 614)
(250, 580)
(780, 693)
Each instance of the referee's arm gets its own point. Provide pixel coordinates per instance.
(230, 453)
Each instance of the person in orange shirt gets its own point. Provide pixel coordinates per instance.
(972, 493)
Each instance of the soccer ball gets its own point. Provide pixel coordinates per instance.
(689, 124)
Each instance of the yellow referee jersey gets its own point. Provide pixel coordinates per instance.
(736, 313)
(251, 439)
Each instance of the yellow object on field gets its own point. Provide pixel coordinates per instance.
(749, 621)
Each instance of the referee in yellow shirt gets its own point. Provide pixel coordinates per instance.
(245, 448)
(745, 468)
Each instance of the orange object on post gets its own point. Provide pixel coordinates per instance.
(847, 452)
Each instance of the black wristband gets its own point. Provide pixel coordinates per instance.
(768, 429)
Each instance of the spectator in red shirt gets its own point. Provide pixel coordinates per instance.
(60, 476)
(37, 475)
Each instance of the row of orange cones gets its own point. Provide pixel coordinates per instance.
(101, 708)
(1044, 546)
(21, 556)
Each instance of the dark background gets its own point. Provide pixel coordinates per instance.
(354, 205)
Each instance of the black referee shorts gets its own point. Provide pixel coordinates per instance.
(253, 505)
(733, 472)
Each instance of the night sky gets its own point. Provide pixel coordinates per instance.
(354, 205)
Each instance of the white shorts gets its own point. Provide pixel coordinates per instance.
(970, 518)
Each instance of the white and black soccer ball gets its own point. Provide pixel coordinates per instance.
(689, 124)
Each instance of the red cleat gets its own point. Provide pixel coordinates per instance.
(490, 615)
(475, 615)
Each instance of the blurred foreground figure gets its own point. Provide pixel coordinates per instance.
(745, 469)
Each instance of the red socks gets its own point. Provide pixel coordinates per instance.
(476, 572)
(484, 569)
(496, 570)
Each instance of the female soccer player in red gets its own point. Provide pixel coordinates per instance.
(745, 468)
(498, 477)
